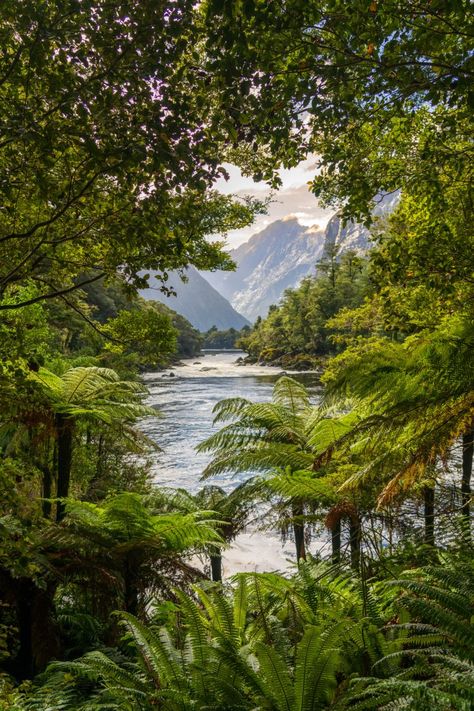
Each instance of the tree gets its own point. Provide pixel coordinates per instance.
(232, 510)
(108, 156)
(298, 327)
(146, 333)
(95, 394)
(379, 91)
(265, 437)
(113, 555)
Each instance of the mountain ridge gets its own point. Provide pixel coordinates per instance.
(283, 253)
(272, 260)
(196, 300)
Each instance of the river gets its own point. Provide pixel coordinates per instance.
(185, 401)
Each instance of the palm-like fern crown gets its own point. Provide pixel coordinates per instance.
(126, 521)
(411, 401)
(94, 392)
(262, 436)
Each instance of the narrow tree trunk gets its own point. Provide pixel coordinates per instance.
(355, 540)
(24, 665)
(64, 432)
(428, 504)
(38, 641)
(467, 457)
(100, 457)
(216, 567)
(298, 530)
(47, 490)
(130, 588)
(336, 542)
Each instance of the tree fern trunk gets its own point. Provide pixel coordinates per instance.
(47, 490)
(100, 457)
(130, 588)
(298, 530)
(355, 536)
(336, 542)
(216, 568)
(24, 665)
(64, 432)
(467, 457)
(428, 505)
(38, 640)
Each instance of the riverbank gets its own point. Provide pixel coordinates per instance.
(301, 362)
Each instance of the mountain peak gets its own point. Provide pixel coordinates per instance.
(274, 259)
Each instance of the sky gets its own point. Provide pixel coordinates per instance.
(293, 198)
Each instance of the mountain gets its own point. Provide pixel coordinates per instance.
(271, 261)
(197, 301)
(353, 235)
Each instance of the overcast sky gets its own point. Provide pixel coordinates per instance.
(293, 198)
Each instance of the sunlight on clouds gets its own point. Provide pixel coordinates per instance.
(293, 199)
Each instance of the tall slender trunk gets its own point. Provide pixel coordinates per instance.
(467, 457)
(298, 530)
(130, 587)
(428, 511)
(355, 536)
(216, 567)
(100, 457)
(47, 490)
(24, 663)
(336, 542)
(64, 432)
(38, 639)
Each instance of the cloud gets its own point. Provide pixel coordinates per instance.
(296, 201)
(293, 198)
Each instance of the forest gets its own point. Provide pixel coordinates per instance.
(117, 121)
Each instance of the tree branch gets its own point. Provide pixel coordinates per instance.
(51, 295)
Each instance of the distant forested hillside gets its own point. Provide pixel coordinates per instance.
(296, 332)
(115, 325)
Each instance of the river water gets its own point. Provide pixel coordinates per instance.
(186, 401)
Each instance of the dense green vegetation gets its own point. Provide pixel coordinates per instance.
(223, 339)
(116, 118)
(297, 332)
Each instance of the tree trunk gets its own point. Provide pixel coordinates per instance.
(216, 567)
(47, 490)
(355, 540)
(467, 457)
(298, 530)
(38, 640)
(64, 432)
(131, 592)
(428, 504)
(24, 665)
(100, 457)
(336, 542)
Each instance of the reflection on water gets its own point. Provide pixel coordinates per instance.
(186, 401)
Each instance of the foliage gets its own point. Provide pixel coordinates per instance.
(223, 339)
(379, 91)
(299, 325)
(307, 642)
(116, 118)
(108, 158)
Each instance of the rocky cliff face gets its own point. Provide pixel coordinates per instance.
(284, 253)
(197, 301)
(353, 235)
(270, 262)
